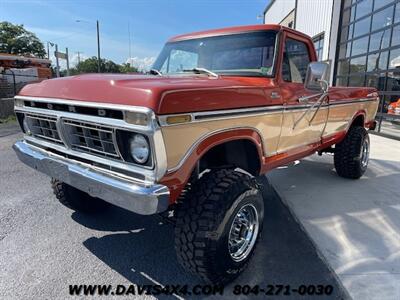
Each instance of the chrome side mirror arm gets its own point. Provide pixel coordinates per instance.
(319, 102)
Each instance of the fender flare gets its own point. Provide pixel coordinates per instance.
(177, 177)
(360, 112)
(341, 135)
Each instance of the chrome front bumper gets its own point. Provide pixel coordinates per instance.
(137, 197)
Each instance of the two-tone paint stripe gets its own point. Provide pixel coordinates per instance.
(253, 111)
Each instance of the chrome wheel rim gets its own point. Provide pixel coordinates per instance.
(365, 153)
(243, 232)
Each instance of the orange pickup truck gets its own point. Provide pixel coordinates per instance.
(218, 110)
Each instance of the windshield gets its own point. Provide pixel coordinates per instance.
(244, 54)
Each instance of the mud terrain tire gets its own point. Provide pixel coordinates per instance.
(76, 199)
(352, 154)
(208, 225)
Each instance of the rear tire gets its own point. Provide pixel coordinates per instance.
(352, 154)
(218, 225)
(76, 199)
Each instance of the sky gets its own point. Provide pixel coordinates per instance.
(150, 23)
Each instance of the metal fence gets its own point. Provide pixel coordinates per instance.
(11, 83)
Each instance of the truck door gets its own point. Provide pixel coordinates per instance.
(301, 125)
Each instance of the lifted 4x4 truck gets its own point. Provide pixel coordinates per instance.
(219, 109)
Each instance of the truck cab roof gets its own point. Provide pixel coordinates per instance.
(234, 30)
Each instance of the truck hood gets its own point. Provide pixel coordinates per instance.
(164, 95)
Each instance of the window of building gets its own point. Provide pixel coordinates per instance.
(396, 36)
(319, 45)
(379, 40)
(381, 3)
(397, 13)
(295, 61)
(363, 8)
(360, 46)
(382, 18)
(361, 27)
(369, 47)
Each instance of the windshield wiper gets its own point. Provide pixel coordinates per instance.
(201, 71)
(155, 72)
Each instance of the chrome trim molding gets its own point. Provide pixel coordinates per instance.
(252, 111)
(225, 114)
(345, 102)
(86, 104)
(139, 198)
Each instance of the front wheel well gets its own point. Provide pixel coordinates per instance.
(241, 154)
(358, 121)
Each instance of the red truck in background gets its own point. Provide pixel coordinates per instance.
(394, 109)
(218, 110)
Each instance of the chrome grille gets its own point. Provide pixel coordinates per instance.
(91, 138)
(43, 127)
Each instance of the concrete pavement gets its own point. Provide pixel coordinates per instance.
(390, 129)
(354, 223)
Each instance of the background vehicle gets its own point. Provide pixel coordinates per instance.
(220, 109)
(394, 109)
(17, 71)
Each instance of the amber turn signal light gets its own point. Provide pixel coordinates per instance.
(179, 119)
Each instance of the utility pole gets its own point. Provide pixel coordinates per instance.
(98, 43)
(98, 48)
(57, 64)
(79, 57)
(48, 49)
(66, 53)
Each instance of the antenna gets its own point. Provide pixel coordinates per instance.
(129, 33)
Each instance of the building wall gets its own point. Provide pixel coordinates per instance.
(334, 36)
(361, 41)
(289, 20)
(278, 10)
(369, 50)
(313, 17)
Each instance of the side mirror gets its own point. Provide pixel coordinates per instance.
(317, 77)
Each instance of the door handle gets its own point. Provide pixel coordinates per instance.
(275, 95)
(306, 99)
(303, 99)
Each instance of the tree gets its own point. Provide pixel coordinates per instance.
(89, 65)
(108, 66)
(127, 68)
(15, 39)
